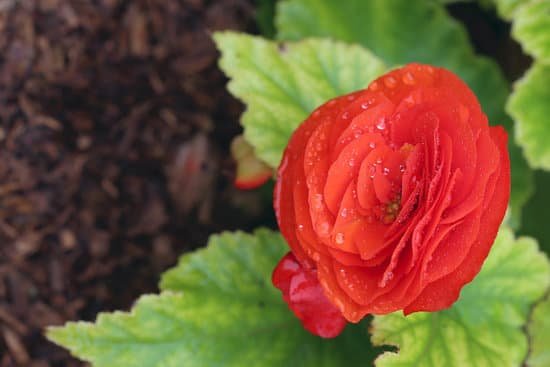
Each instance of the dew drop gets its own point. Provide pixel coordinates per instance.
(372, 171)
(365, 105)
(300, 227)
(374, 86)
(339, 238)
(387, 277)
(351, 162)
(351, 97)
(324, 229)
(315, 256)
(344, 212)
(408, 78)
(372, 145)
(345, 115)
(390, 82)
(386, 171)
(381, 125)
(401, 168)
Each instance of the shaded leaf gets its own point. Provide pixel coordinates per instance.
(399, 32)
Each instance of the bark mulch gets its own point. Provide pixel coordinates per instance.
(114, 136)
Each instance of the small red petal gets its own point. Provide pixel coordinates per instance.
(304, 295)
(249, 183)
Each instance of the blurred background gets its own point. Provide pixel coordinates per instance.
(112, 114)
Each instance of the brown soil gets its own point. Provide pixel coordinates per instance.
(103, 105)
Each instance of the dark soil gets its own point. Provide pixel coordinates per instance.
(103, 104)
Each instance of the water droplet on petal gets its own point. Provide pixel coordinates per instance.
(372, 145)
(408, 78)
(372, 171)
(345, 115)
(339, 238)
(324, 229)
(401, 168)
(387, 277)
(381, 125)
(300, 227)
(374, 86)
(386, 171)
(315, 256)
(390, 82)
(344, 212)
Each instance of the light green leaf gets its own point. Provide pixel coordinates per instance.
(529, 107)
(218, 308)
(399, 31)
(531, 27)
(483, 328)
(539, 335)
(507, 8)
(282, 83)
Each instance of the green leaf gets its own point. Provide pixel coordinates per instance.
(535, 216)
(531, 27)
(539, 335)
(399, 31)
(218, 308)
(529, 107)
(282, 83)
(523, 186)
(484, 327)
(507, 8)
(265, 17)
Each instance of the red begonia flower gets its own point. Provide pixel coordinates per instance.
(391, 197)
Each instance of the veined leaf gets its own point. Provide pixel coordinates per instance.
(539, 335)
(529, 107)
(531, 27)
(218, 308)
(282, 83)
(399, 32)
(483, 328)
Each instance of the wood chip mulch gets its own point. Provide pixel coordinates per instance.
(114, 136)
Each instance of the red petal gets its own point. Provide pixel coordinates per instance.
(304, 295)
